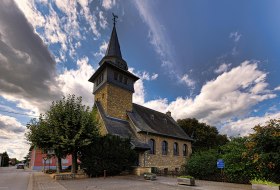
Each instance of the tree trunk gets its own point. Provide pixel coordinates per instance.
(74, 162)
(58, 165)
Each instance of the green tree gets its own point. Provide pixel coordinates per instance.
(264, 150)
(238, 168)
(66, 127)
(203, 164)
(74, 125)
(110, 153)
(5, 159)
(205, 136)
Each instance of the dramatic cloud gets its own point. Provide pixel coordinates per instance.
(27, 69)
(231, 95)
(222, 68)
(10, 125)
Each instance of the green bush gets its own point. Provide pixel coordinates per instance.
(203, 164)
(238, 168)
(110, 153)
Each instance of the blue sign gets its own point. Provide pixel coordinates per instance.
(220, 164)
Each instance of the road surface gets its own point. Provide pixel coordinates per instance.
(14, 179)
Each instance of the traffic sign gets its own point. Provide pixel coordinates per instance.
(220, 164)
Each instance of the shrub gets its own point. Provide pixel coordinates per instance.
(110, 153)
(202, 164)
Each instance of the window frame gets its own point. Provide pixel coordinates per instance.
(152, 144)
(164, 147)
(175, 149)
(185, 150)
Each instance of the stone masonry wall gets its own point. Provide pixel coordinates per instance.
(160, 161)
(115, 100)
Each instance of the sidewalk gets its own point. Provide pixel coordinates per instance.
(41, 181)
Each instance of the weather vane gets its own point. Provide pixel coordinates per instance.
(115, 18)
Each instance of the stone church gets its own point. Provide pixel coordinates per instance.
(156, 137)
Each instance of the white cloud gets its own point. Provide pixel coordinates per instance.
(102, 20)
(12, 137)
(158, 37)
(102, 50)
(222, 68)
(187, 81)
(277, 88)
(235, 36)
(147, 76)
(31, 13)
(76, 81)
(244, 127)
(108, 4)
(231, 95)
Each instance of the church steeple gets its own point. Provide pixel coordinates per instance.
(113, 48)
(113, 53)
(113, 83)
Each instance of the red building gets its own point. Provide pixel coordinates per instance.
(40, 159)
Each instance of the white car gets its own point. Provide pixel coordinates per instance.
(20, 166)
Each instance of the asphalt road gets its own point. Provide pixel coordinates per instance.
(14, 179)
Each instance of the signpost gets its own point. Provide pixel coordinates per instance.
(221, 165)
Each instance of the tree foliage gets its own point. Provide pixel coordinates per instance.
(205, 136)
(238, 168)
(110, 153)
(264, 150)
(66, 127)
(5, 159)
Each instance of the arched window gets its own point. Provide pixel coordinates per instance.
(185, 150)
(175, 149)
(164, 147)
(152, 145)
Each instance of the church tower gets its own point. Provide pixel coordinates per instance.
(113, 83)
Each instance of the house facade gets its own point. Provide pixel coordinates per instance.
(156, 137)
(40, 161)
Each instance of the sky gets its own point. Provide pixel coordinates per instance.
(217, 61)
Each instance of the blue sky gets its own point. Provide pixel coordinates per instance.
(217, 61)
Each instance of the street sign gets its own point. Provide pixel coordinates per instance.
(220, 164)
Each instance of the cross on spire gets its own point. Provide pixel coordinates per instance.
(115, 18)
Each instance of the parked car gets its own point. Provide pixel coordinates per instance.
(20, 166)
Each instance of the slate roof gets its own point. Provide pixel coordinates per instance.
(120, 128)
(151, 121)
(114, 46)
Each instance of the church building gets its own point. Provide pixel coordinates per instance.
(156, 137)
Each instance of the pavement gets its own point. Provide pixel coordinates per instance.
(41, 181)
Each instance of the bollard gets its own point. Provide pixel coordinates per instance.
(104, 174)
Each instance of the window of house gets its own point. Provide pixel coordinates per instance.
(152, 146)
(175, 149)
(185, 148)
(164, 147)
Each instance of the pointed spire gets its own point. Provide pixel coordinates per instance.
(114, 46)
